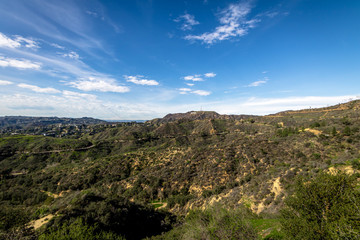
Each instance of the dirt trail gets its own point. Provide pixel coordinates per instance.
(58, 150)
(41, 222)
(314, 131)
(276, 188)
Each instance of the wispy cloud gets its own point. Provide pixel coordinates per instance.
(140, 80)
(19, 63)
(199, 77)
(17, 41)
(57, 46)
(38, 89)
(210, 75)
(98, 84)
(27, 42)
(72, 55)
(66, 22)
(184, 90)
(77, 95)
(94, 14)
(190, 84)
(259, 83)
(187, 21)
(201, 92)
(197, 92)
(55, 65)
(8, 42)
(195, 78)
(233, 23)
(4, 83)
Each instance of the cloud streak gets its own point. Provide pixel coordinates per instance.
(259, 83)
(87, 79)
(19, 63)
(38, 89)
(16, 42)
(4, 83)
(98, 84)
(233, 23)
(187, 20)
(197, 92)
(199, 77)
(72, 55)
(140, 80)
(201, 92)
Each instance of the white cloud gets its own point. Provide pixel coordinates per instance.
(258, 83)
(271, 14)
(201, 92)
(38, 89)
(190, 84)
(19, 63)
(98, 84)
(197, 92)
(57, 46)
(27, 42)
(17, 42)
(4, 82)
(72, 55)
(195, 78)
(139, 80)
(185, 89)
(86, 78)
(233, 23)
(94, 14)
(210, 75)
(8, 42)
(198, 77)
(188, 21)
(76, 95)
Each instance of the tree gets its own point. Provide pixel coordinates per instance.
(334, 132)
(347, 131)
(325, 208)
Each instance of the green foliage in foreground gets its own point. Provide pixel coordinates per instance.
(328, 207)
(214, 223)
(80, 231)
(107, 217)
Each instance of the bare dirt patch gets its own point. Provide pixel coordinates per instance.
(41, 222)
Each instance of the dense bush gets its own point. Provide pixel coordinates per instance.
(325, 208)
(214, 223)
(111, 214)
(80, 231)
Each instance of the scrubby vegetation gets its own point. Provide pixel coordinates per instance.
(185, 176)
(326, 207)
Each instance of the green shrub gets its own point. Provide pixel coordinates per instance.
(355, 164)
(80, 231)
(325, 208)
(214, 223)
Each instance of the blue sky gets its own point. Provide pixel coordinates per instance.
(133, 59)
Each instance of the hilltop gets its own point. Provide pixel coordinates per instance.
(197, 115)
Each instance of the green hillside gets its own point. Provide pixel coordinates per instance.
(138, 180)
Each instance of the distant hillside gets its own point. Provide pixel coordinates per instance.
(352, 105)
(22, 121)
(198, 115)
